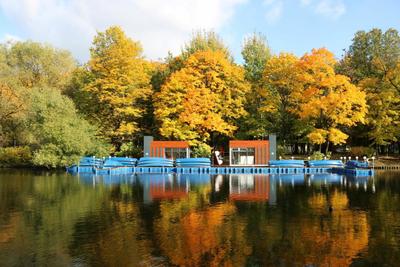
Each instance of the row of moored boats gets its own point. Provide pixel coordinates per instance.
(114, 162)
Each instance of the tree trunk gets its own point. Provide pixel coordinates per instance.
(327, 148)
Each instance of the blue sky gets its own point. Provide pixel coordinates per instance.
(289, 25)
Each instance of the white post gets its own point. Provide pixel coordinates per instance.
(230, 156)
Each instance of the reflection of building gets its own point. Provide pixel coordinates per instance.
(163, 186)
(249, 152)
(249, 187)
(169, 149)
(169, 185)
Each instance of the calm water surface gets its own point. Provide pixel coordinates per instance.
(55, 219)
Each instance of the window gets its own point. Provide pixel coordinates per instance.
(175, 153)
(243, 156)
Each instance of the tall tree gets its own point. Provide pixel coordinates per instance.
(371, 54)
(205, 96)
(255, 53)
(373, 62)
(328, 100)
(120, 83)
(203, 41)
(278, 105)
(33, 64)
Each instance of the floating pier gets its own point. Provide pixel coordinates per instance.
(217, 170)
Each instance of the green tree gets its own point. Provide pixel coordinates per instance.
(372, 61)
(203, 41)
(255, 53)
(33, 64)
(58, 135)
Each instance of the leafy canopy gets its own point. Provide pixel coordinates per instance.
(120, 83)
(206, 95)
(328, 100)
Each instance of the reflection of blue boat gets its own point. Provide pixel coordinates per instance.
(106, 179)
(154, 177)
(325, 163)
(286, 163)
(289, 178)
(331, 178)
(196, 179)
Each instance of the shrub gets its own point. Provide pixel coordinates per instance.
(60, 134)
(129, 150)
(361, 151)
(280, 151)
(320, 156)
(19, 156)
(201, 151)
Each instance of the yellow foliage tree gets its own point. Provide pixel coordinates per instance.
(317, 136)
(206, 95)
(120, 83)
(328, 100)
(279, 104)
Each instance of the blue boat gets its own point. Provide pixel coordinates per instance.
(353, 164)
(286, 163)
(155, 162)
(193, 162)
(325, 163)
(121, 161)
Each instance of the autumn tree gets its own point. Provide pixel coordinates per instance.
(328, 101)
(279, 102)
(373, 62)
(12, 111)
(205, 96)
(120, 83)
(255, 52)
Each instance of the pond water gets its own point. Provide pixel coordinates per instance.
(56, 219)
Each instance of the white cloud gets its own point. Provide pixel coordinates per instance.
(160, 25)
(331, 8)
(305, 2)
(10, 38)
(274, 12)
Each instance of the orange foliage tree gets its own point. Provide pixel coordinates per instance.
(328, 100)
(206, 95)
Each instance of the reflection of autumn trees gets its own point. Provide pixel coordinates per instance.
(309, 234)
(191, 233)
(59, 220)
(119, 241)
(338, 237)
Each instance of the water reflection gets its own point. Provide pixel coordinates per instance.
(199, 220)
